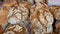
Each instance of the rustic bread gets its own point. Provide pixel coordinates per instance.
(15, 29)
(19, 14)
(41, 19)
(55, 10)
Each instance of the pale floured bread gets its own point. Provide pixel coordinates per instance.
(15, 29)
(3, 16)
(55, 10)
(41, 19)
(18, 14)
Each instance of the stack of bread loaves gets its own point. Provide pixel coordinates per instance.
(29, 16)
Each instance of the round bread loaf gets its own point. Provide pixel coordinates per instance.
(41, 19)
(19, 14)
(55, 10)
(15, 29)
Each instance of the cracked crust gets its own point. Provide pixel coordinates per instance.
(15, 29)
(19, 13)
(55, 10)
(41, 18)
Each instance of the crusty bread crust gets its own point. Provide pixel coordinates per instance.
(41, 18)
(55, 10)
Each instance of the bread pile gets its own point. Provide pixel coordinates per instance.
(29, 17)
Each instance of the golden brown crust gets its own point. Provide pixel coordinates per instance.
(25, 4)
(55, 10)
(9, 3)
(39, 6)
(16, 29)
(19, 13)
(3, 16)
(41, 18)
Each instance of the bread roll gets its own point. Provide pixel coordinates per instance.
(55, 10)
(15, 29)
(3, 16)
(41, 19)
